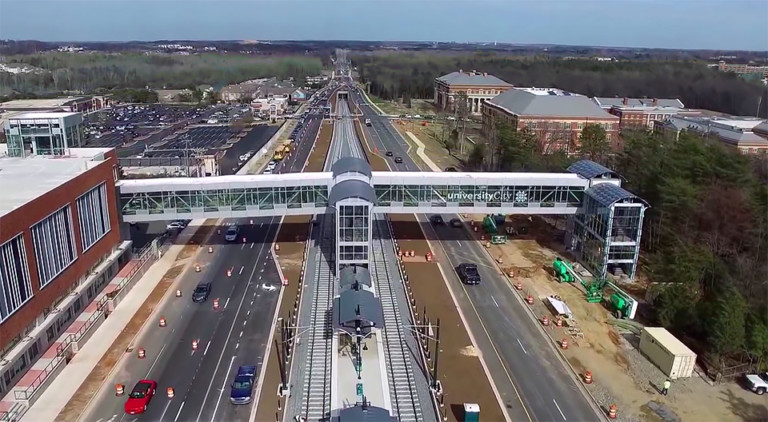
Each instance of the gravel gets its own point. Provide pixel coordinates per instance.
(647, 377)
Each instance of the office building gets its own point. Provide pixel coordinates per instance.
(59, 246)
(43, 133)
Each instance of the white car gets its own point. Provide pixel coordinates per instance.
(267, 171)
(758, 383)
(272, 165)
(176, 225)
(231, 234)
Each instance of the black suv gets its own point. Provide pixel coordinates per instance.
(399, 160)
(468, 273)
(390, 153)
(201, 292)
(437, 219)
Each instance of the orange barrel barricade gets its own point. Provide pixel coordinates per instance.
(429, 256)
(545, 321)
(519, 285)
(141, 353)
(564, 344)
(559, 321)
(529, 299)
(197, 268)
(194, 344)
(119, 389)
(588, 377)
(229, 273)
(170, 392)
(210, 249)
(162, 321)
(277, 246)
(612, 412)
(178, 293)
(216, 303)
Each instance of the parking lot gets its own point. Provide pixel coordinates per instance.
(208, 138)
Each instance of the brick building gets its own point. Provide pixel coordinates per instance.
(749, 135)
(479, 87)
(60, 244)
(743, 69)
(555, 116)
(640, 113)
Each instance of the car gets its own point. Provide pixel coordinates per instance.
(450, 169)
(390, 153)
(758, 383)
(242, 386)
(140, 397)
(436, 219)
(176, 225)
(456, 222)
(267, 171)
(231, 234)
(468, 273)
(399, 160)
(201, 292)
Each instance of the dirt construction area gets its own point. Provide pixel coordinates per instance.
(461, 374)
(291, 241)
(622, 375)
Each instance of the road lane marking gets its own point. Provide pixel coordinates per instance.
(248, 313)
(226, 303)
(241, 270)
(241, 333)
(521, 346)
(206, 347)
(226, 341)
(179, 412)
(252, 243)
(558, 409)
(223, 385)
(155, 362)
(165, 410)
(245, 322)
(494, 301)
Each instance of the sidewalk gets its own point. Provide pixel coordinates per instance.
(61, 389)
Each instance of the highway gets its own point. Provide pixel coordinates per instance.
(236, 334)
(522, 363)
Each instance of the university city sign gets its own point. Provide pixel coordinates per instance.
(498, 196)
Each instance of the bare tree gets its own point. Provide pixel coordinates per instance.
(461, 114)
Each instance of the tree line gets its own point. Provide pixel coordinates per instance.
(87, 73)
(409, 75)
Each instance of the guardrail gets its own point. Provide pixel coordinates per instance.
(89, 323)
(34, 387)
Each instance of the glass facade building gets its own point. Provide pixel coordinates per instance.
(43, 133)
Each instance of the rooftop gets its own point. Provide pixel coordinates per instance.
(24, 179)
(472, 78)
(608, 102)
(549, 102)
(39, 103)
(43, 115)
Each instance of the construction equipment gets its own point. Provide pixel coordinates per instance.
(593, 289)
(489, 225)
(563, 271)
(624, 306)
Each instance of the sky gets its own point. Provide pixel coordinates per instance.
(685, 24)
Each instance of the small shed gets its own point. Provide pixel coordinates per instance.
(668, 353)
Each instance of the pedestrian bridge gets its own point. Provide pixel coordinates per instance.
(605, 230)
(311, 193)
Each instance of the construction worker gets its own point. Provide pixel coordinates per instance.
(665, 390)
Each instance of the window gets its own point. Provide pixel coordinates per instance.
(15, 283)
(93, 215)
(54, 242)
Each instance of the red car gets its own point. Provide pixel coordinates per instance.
(140, 396)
